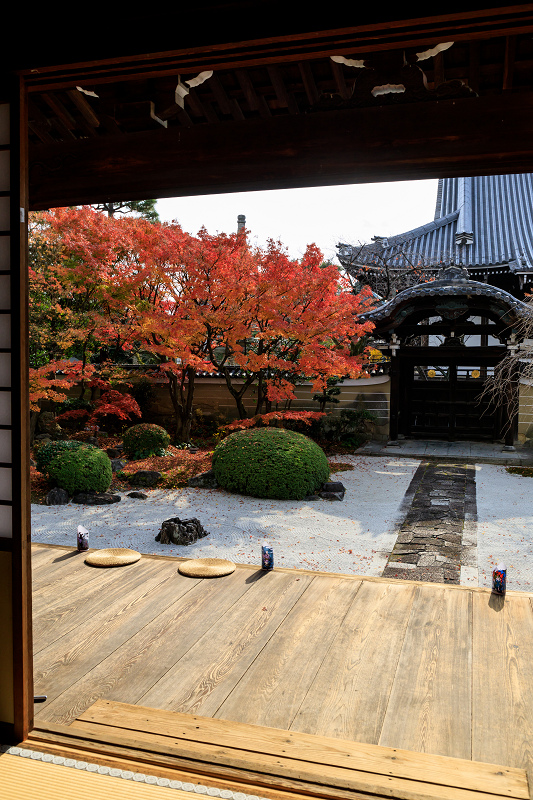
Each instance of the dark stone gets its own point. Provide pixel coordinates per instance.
(333, 490)
(333, 486)
(145, 477)
(138, 495)
(192, 448)
(115, 452)
(117, 464)
(206, 480)
(96, 498)
(43, 437)
(181, 531)
(57, 497)
(92, 440)
(312, 497)
(332, 495)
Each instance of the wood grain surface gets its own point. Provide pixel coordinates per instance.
(419, 667)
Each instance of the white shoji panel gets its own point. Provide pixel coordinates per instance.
(5, 286)
(4, 213)
(5, 446)
(5, 250)
(4, 170)
(5, 408)
(6, 522)
(5, 331)
(5, 370)
(5, 484)
(4, 123)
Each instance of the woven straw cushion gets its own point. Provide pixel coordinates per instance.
(112, 557)
(207, 567)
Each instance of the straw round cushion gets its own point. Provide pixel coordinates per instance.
(206, 567)
(112, 557)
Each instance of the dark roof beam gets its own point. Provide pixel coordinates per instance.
(255, 102)
(285, 98)
(84, 108)
(309, 82)
(508, 64)
(63, 121)
(340, 82)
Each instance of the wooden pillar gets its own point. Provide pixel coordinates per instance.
(16, 659)
(510, 412)
(394, 397)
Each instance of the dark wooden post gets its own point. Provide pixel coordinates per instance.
(394, 397)
(510, 412)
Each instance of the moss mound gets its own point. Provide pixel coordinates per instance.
(85, 469)
(270, 462)
(145, 440)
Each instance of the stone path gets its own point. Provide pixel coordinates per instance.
(433, 541)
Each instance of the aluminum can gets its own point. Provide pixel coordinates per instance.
(499, 579)
(83, 538)
(267, 557)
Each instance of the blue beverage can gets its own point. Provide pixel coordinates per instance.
(267, 557)
(83, 538)
(499, 579)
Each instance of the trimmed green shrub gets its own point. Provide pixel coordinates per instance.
(47, 452)
(82, 470)
(144, 440)
(270, 462)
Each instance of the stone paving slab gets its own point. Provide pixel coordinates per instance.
(429, 546)
(471, 452)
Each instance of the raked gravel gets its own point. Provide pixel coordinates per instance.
(505, 526)
(354, 536)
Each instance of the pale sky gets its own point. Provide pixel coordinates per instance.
(323, 215)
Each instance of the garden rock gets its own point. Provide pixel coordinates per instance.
(145, 477)
(96, 498)
(181, 531)
(47, 424)
(206, 480)
(138, 495)
(116, 463)
(57, 497)
(115, 452)
(334, 490)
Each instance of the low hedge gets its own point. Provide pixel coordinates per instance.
(270, 462)
(84, 469)
(145, 440)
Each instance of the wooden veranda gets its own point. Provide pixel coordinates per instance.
(427, 668)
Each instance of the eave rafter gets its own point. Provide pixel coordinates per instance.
(396, 34)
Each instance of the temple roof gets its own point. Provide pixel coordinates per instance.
(451, 282)
(479, 222)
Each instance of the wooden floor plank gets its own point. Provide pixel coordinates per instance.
(349, 695)
(41, 555)
(71, 611)
(70, 657)
(63, 582)
(502, 718)
(272, 690)
(134, 666)
(431, 700)
(57, 562)
(335, 758)
(203, 678)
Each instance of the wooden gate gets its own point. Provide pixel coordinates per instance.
(443, 398)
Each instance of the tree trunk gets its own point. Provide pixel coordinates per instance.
(238, 394)
(181, 390)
